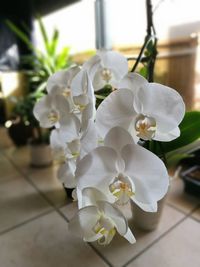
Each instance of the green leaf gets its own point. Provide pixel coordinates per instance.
(190, 131)
(20, 34)
(42, 87)
(173, 159)
(54, 43)
(43, 33)
(61, 58)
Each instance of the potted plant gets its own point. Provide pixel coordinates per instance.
(40, 66)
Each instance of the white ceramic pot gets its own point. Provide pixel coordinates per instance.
(147, 221)
(40, 155)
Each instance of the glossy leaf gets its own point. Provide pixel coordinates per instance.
(190, 131)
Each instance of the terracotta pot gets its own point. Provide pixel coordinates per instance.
(147, 221)
(40, 155)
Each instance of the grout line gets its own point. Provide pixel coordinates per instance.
(66, 219)
(26, 221)
(195, 219)
(35, 187)
(178, 209)
(100, 255)
(161, 236)
(26, 177)
(91, 245)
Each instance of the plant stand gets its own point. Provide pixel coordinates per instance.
(147, 221)
(40, 155)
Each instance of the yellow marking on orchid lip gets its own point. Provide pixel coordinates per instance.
(145, 127)
(106, 74)
(66, 92)
(121, 190)
(82, 107)
(78, 108)
(100, 141)
(107, 237)
(53, 116)
(75, 154)
(105, 227)
(97, 228)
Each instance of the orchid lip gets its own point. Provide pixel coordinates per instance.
(66, 92)
(53, 116)
(122, 189)
(106, 228)
(106, 74)
(145, 127)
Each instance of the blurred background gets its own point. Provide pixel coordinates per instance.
(40, 37)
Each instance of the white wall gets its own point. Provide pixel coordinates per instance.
(128, 22)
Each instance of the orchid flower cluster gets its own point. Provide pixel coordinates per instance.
(99, 149)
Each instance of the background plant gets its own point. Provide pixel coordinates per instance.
(40, 64)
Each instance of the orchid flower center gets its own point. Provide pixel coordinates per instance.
(106, 75)
(106, 228)
(66, 92)
(122, 189)
(78, 106)
(53, 116)
(145, 127)
(74, 148)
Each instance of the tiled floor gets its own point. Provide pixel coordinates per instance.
(34, 215)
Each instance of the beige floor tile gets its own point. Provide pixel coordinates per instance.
(179, 199)
(19, 202)
(120, 251)
(46, 242)
(20, 157)
(70, 210)
(5, 140)
(196, 215)
(179, 248)
(7, 171)
(46, 180)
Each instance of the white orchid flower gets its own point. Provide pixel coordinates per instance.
(147, 110)
(70, 148)
(100, 221)
(66, 173)
(60, 82)
(83, 97)
(106, 67)
(75, 85)
(123, 170)
(54, 110)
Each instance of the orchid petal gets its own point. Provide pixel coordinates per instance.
(87, 115)
(89, 139)
(117, 138)
(92, 65)
(41, 111)
(129, 236)
(97, 169)
(66, 174)
(61, 80)
(83, 223)
(162, 103)
(69, 128)
(166, 137)
(132, 81)
(82, 84)
(116, 215)
(114, 61)
(148, 174)
(116, 110)
(91, 196)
